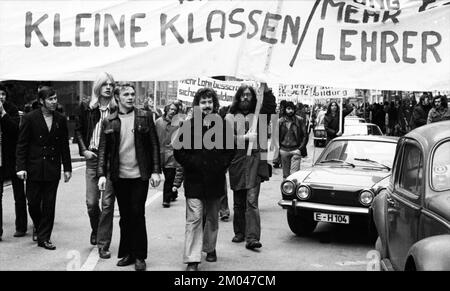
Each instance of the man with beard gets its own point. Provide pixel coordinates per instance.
(292, 140)
(438, 111)
(204, 166)
(87, 131)
(245, 178)
(43, 144)
(165, 128)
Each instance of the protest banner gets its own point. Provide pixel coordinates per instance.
(371, 44)
(225, 89)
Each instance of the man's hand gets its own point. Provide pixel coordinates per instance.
(67, 176)
(102, 183)
(22, 175)
(155, 179)
(89, 155)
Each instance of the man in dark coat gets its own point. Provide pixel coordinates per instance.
(245, 175)
(204, 167)
(43, 144)
(420, 112)
(9, 130)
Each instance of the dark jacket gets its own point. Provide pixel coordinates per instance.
(10, 132)
(419, 116)
(300, 133)
(40, 152)
(145, 140)
(85, 121)
(331, 123)
(204, 169)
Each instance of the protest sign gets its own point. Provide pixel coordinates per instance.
(372, 44)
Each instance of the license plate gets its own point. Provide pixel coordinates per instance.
(330, 217)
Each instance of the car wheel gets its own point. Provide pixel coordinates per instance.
(301, 224)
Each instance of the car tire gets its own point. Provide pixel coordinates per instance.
(301, 225)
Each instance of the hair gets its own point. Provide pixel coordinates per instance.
(46, 92)
(438, 97)
(3, 88)
(206, 93)
(102, 78)
(237, 99)
(177, 105)
(329, 108)
(120, 86)
(286, 105)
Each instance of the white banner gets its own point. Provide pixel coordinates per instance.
(225, 89)
(371, 44)
(307, 93)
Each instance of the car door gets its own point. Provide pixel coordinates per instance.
(404, 203)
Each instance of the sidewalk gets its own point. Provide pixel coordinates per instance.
(74, 153)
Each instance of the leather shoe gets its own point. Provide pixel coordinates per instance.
(140, 265)
(238, 239)
(126, 261)
(47, 245)
(166, 204)
(93, 238)
(254, 244)
(211, 257)
(192, 267)
(34, 236)
(104, 253)
(19, 233)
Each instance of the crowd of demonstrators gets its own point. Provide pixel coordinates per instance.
(127, 134)
(204, 181)
(87, 130)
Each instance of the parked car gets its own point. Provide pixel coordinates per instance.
(362, 129)
(412, 214)
(341, 185)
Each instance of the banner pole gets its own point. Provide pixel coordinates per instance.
(341, 115)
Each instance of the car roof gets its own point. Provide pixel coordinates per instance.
(361, 124)
(382, 138)
(431, 134)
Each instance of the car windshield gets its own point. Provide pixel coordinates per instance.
(440, 169)
(360, 153)
(362, 129)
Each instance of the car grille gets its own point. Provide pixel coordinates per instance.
(335, 197)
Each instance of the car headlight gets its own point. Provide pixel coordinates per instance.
(303, 192)
(366, 197)
(288, 187)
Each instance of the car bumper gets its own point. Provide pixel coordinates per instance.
(299, 205)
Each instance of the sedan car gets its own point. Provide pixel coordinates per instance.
(362, 129)
(341, 185)
(412, 214)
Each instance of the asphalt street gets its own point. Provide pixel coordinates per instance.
(330, 247)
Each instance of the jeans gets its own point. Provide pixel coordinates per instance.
(290, 162)
(20, 202)
(131, 196)
(202, 227)
(246, 221)
(101, 220)
(41, 197)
